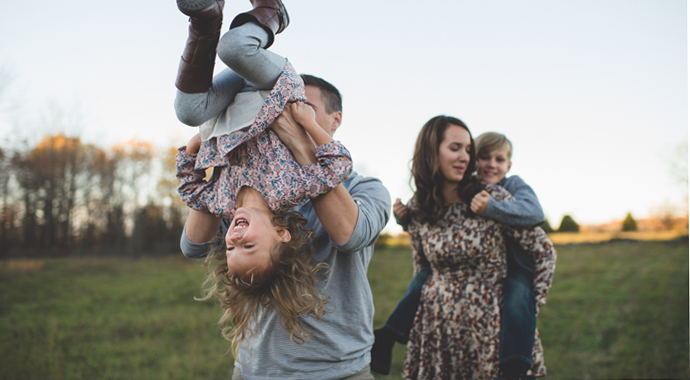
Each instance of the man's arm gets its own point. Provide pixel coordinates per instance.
(337, 210)
(525, 211)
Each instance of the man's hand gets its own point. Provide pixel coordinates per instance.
(294, 137)
(400, 210)
(479, 202)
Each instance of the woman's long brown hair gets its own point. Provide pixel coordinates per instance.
(429, 204)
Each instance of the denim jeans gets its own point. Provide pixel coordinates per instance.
(401, 320)
(518, 314)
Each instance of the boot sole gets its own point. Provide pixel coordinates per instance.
(193, 5)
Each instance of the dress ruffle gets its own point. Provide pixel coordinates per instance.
(288, 88)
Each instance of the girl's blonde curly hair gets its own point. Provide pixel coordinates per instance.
(288, 286)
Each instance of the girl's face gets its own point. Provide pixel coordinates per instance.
(493, 166)
(251, 241)
(454, 153)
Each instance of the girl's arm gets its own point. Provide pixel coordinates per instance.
(194, 191)
(305, 116)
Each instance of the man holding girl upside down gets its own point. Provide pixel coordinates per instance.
(345, 213)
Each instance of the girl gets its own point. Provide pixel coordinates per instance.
(456, 328)
(267, 253)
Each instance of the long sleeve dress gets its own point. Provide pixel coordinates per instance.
(456, 333)
(255, 157)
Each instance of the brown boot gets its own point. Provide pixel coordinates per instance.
(270, 14)
(195, 74)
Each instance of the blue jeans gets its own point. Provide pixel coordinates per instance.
(519, 313)
(400, 322)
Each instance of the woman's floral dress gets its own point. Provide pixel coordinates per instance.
(456, 334)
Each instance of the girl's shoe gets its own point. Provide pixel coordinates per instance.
(195, 73)
(269, 14)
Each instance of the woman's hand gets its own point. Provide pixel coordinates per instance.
(479, 202)
(194, 144)
(400, 210)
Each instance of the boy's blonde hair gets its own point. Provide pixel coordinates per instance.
(288, 286)
(490, 141)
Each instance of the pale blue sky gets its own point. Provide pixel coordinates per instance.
(593, 94)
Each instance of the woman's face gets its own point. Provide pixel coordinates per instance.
(251, 240)
(454, 153)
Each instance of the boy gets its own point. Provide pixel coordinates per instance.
(518, 318)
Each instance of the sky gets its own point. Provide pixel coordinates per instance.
(593, 94)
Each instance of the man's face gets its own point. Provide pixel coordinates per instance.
(328, 122)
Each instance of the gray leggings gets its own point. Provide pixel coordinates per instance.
(250, 68)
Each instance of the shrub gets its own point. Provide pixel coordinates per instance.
(629, 223)
(568, 224)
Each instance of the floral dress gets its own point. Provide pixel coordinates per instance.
(255, 157)
(456, 333)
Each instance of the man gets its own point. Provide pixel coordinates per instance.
(347, 222)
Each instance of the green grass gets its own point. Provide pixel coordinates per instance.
(614, 311)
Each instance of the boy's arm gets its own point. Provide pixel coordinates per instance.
(524, 211)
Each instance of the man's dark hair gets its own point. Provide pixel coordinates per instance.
(329, 94)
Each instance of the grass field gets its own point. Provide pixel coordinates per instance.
(617, 310)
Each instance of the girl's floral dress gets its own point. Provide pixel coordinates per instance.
(255, 157)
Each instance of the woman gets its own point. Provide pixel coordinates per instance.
(457, 325)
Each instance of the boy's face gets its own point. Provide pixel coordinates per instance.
(251, 240)
(493, 166)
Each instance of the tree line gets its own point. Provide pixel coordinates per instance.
(63, 196)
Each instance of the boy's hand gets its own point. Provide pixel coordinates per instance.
(194, 144)
(400, 210)
(479, 202)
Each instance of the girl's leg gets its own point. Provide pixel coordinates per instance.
(243, 50)
(200, 96)
(196, 64)
(195, 109)
(269, 14)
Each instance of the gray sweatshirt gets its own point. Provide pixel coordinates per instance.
(341, 341)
